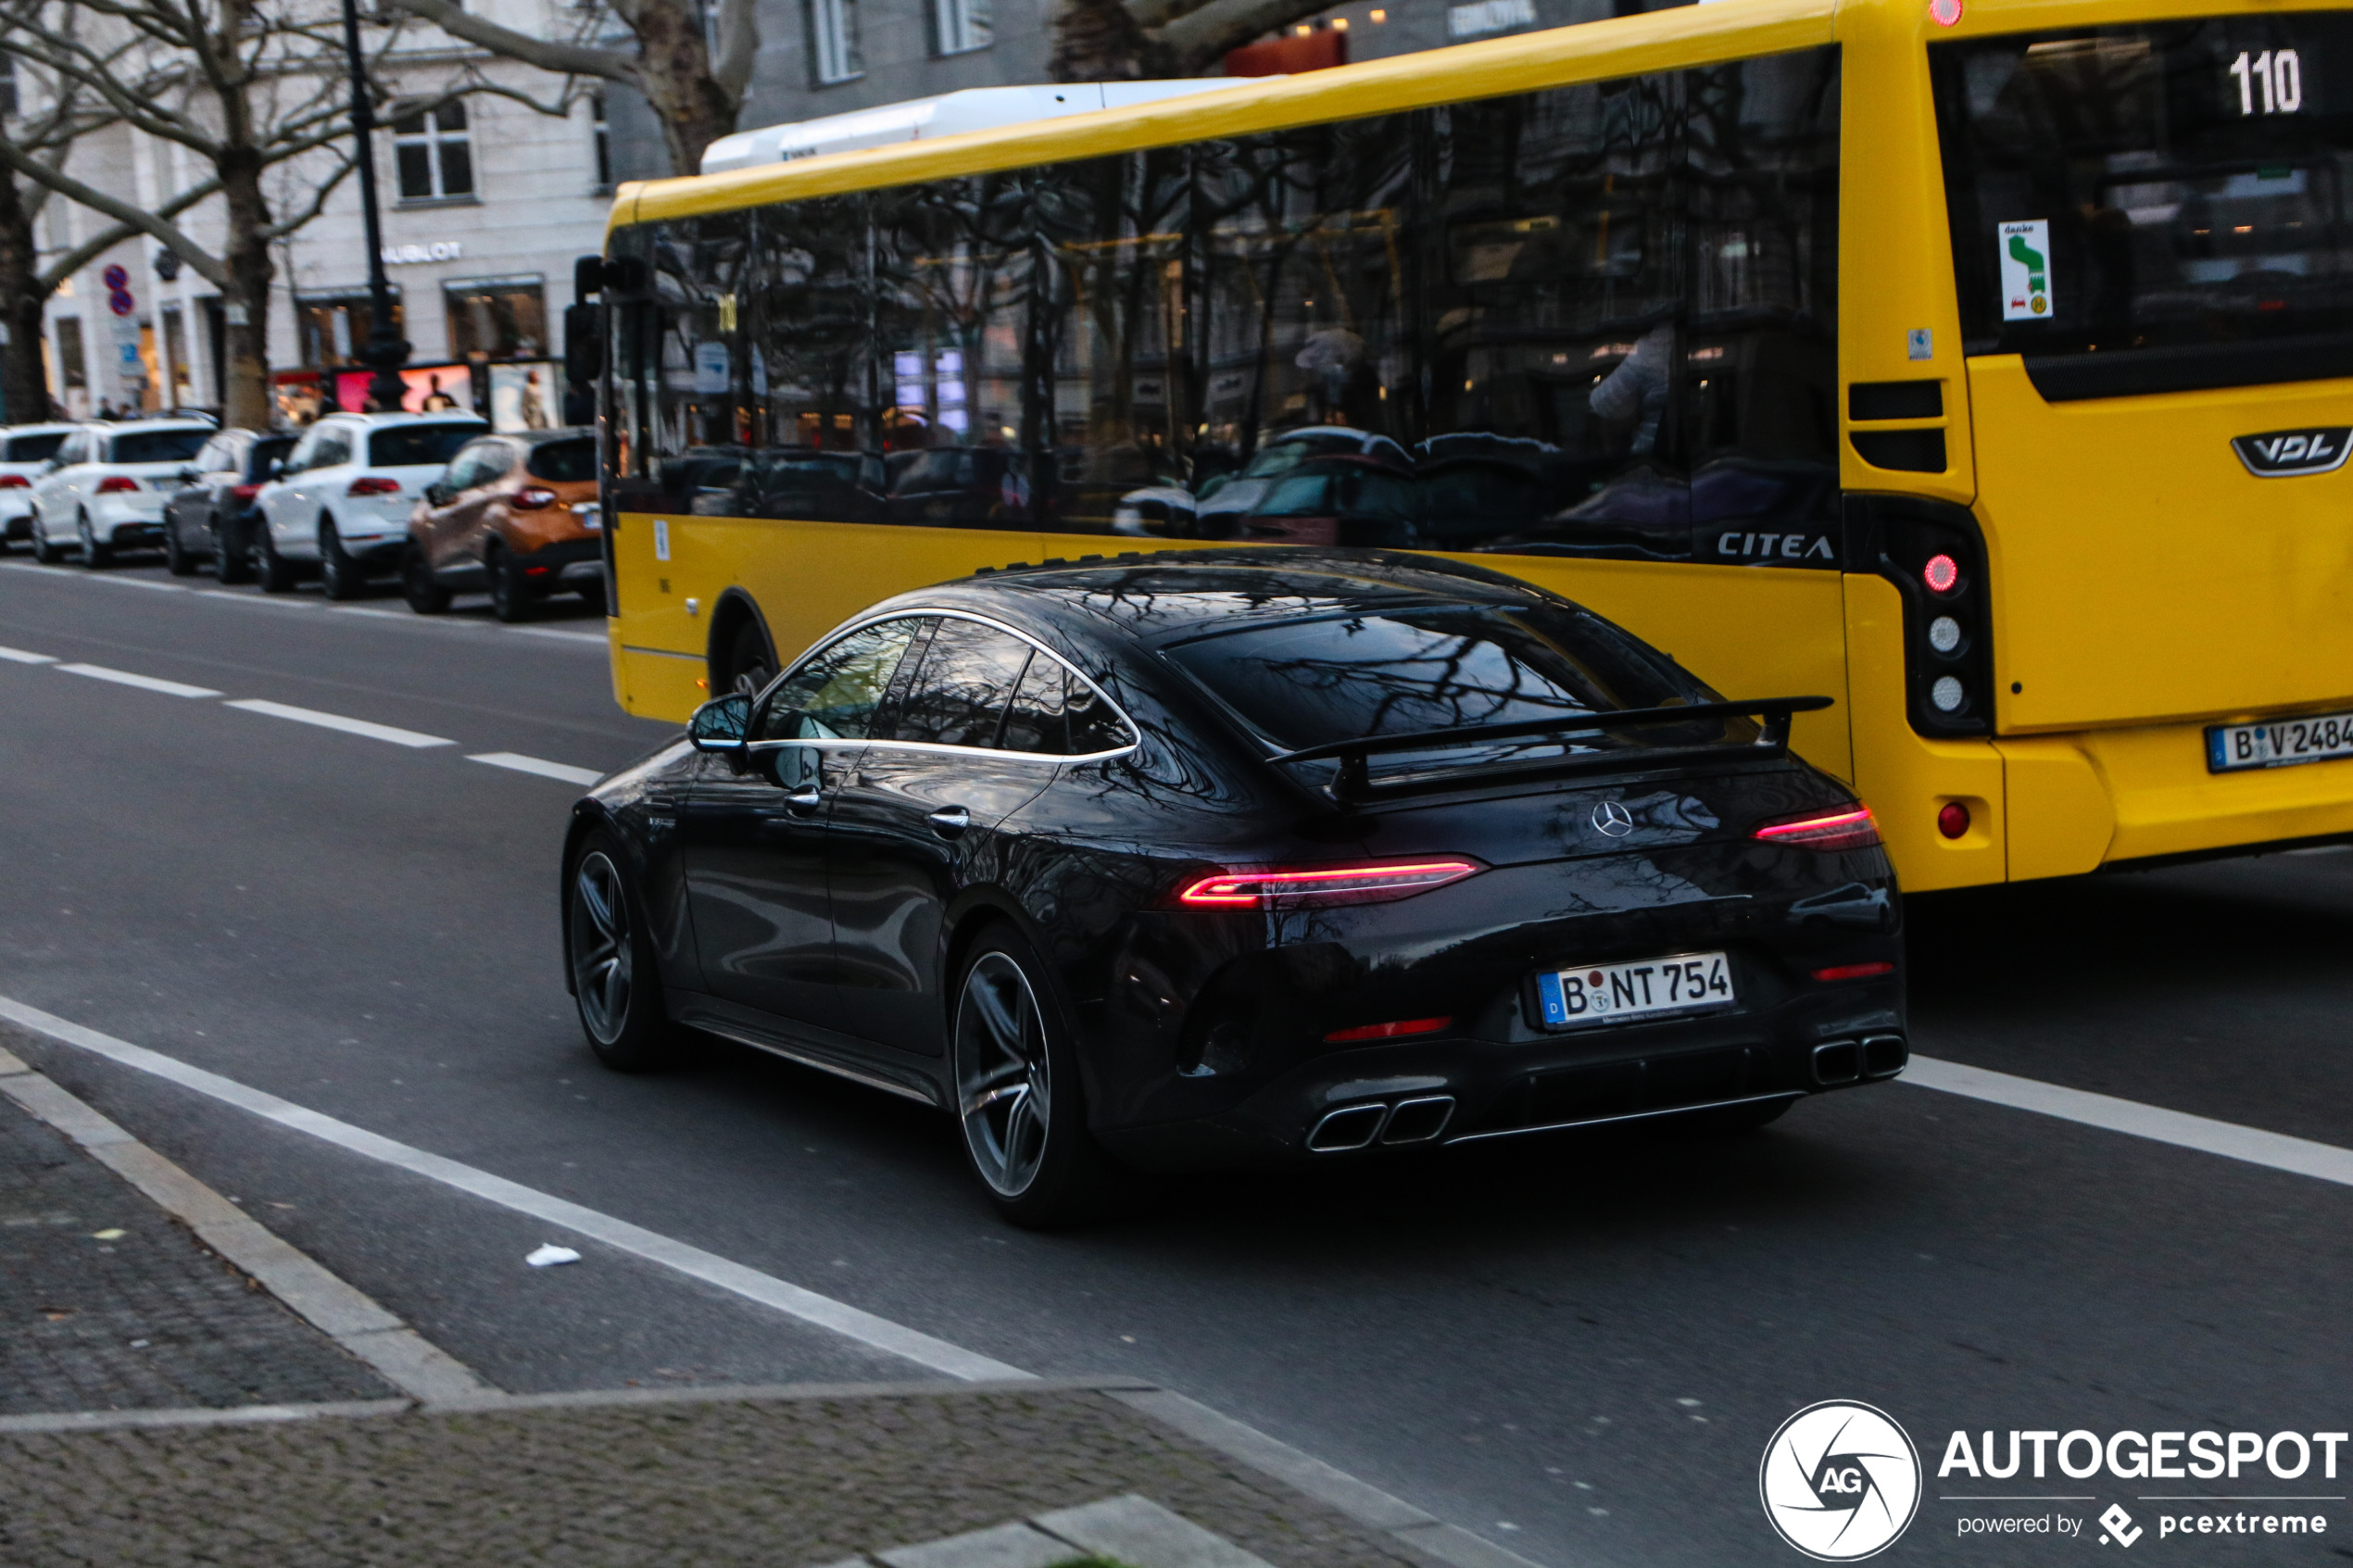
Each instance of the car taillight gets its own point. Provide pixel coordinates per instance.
(15, 482)
(1851, 828)
(372, 484)
(1854, 971)
(244, 492)
(1403, 1026)
(116, 485)
(1325, 884)
(530, 498)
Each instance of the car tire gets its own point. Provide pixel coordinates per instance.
(616, 985)
(177, 561)
(1011, 1052)
(230, 560)
(592, 593)
(748, 660)
(340, 576)
(510, 599)
(94, 555)
(43, 551)
(424, 593)
(272, 571)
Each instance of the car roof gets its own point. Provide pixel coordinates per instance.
(1172, 595)
(562, 432)
(375, 422)
(127, 427)
(52, 428)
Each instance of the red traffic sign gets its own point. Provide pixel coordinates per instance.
(115, 276)
(121, 302)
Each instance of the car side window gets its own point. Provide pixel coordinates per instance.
(837, 693)
(960, 694)
(464, 471)
(300, 458)
(492, 461)
(333, 449)
(1057, 714)
(210, 457)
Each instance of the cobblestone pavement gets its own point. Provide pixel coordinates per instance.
(779, 1482)
(148, 1319)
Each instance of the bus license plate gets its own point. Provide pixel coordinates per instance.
(2279, 743)
(1606, 993)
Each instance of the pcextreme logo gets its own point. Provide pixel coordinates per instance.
(1840, 1481)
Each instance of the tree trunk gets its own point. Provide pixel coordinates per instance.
(1097, 41)
(674, 64)
(245, 303)
(24, 384)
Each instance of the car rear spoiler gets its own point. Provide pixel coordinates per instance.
(1355, 753)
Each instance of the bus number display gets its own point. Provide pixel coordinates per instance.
(2275, 77)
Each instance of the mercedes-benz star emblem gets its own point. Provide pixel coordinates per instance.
(1613, 819)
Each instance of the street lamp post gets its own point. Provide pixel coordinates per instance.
(385, 351)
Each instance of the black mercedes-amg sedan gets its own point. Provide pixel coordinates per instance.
(1228, 858)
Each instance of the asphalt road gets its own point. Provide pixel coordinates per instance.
(1576, 1351)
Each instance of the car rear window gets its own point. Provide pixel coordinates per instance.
(2155, 207)
(1402, 671)
(416, 446)
(562, 462)
(35, 448)
(158, 445)
(264, 452)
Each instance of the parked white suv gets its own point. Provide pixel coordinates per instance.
(342, 497)
(25, 451)
(103, 488)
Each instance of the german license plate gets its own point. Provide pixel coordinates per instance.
(2279, 743)
(1608, 992)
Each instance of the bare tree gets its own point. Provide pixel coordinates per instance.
(695, 91)
(49, 118)
(245, 91)
(1122, 39)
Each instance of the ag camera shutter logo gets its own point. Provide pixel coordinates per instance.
(1841, 1480)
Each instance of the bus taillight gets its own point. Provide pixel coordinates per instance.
(1942, 574)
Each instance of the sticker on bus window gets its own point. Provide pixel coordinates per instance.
(2026, 271)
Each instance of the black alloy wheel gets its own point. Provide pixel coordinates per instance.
(339, 575)
(272, 571)
(43, 551)
(1018, 1099)
(614, 980)
(94, 555)
(177, 561)
(417, 586)
(230, 562)
(509, 596)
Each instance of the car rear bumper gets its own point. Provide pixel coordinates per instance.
(1448, 1091)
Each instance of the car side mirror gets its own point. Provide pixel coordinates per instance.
(277, 467)
(583, 343)
(721, 724)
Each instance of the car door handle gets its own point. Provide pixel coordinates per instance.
(950, 820)
(807, 799)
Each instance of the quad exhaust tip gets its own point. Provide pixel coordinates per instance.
(1419, 1120)
(1838, 1062)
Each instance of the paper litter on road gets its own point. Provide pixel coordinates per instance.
(550, 1255)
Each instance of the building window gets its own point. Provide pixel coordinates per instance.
(601, 140)
(958, 27)
(73, 372)
(329, 327)
(832, 42)
(8, 107)
(435, 153)
(497, 319)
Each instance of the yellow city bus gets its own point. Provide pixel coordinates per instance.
(1985, 365)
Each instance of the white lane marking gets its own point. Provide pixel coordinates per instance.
(546, 769)
(147, 583)
(337, 722)
(145, 683)
(2278, 1151)
(850, 1322)
(558, 633)
(18, 656)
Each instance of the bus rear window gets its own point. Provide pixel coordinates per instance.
(2155, 208)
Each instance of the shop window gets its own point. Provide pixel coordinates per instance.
(497, 319)
(331, 327)
(73, 370)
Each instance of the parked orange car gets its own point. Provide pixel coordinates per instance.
(515, 514)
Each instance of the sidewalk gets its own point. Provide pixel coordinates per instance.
(159, 1406)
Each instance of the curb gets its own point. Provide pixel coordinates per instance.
(397, 1353)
